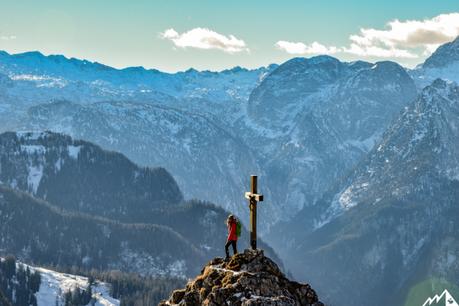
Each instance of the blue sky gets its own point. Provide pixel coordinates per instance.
(173, 35)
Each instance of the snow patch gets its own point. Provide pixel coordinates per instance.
(54, 285)
(34, 177)
(74, 151)
(33, 149)
(30, 135)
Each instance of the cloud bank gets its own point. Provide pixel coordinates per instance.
(7, 37)
(300, 48)
(203, 38)
(400, 39)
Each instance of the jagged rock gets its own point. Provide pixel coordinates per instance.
(247, 279)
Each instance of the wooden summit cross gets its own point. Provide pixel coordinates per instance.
(253, 198)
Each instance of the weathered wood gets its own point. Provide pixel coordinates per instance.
(253, 198)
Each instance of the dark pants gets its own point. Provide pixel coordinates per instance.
(228, 243)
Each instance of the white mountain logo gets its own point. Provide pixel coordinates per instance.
(445, 299)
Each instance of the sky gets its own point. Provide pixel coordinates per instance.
(173, 35)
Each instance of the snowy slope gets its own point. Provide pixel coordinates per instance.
(313, 119)
(38, 78)
(300, 126)
(392, 221)
(306, 122)
(197, 151)
(54, 285)
(443, 63)
(424, 140)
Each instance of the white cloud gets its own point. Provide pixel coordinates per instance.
(300, 48)
(401, 39)
(426, 34)
(7, 37)
(202, 38)
(375, 51)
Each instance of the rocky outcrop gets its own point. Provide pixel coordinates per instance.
(248, 278)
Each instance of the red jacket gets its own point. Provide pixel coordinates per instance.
(232, 231)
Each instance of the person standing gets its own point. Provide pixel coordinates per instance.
(231, 223)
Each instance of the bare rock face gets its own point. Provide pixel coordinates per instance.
(249, 278)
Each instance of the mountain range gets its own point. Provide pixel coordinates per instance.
(67, 202)
(392, 218)
(358, 161)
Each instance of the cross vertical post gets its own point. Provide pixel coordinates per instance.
(253, 213)
(253, 198)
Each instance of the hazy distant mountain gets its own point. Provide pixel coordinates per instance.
(79, 176)
(57, 77)
(36, 232)
(177, 121)
(208, 162)
(308, 127)
(313, 119)
(306, 123)
(391, 222)
(443, 63)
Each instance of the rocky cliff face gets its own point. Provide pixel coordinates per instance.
(249, 278)
(389, 220)
(314, 119)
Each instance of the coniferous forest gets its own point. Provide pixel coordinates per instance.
(18, 285)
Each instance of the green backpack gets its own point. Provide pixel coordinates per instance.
(238, 228)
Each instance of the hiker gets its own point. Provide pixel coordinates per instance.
(232, 225)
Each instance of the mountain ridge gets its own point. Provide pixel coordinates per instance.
(392, 212)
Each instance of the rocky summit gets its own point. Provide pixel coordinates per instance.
(248, 278)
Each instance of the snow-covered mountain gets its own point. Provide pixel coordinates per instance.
(443, 63)
(320, 113)
(208, 162)
(299, 126)
(42, 78)
(393, 218)
(308, 127)
(178, 121)
(313, 119)
(69, 172)
(425, 140)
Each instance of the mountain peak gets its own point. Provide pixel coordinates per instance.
(319, 59)
(444, 55)
(30, 54)
(315, 60)
(441, 88)
(387, 65)
(443, 84)
(249, 278)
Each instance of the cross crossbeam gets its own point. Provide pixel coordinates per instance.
(253, 198)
